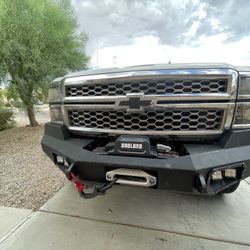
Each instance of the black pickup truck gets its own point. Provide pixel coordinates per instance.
(182, 127)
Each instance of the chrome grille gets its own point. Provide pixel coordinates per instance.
(148, 86)
(193, 102)
(158, 120)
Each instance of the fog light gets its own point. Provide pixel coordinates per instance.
(216, 176)
(59, 159)
(230, 173)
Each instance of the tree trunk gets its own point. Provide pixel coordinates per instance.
(31, 116)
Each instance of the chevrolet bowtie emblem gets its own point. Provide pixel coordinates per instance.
(135, 102)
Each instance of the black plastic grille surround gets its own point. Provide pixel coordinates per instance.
(150, 86)
(158, 120)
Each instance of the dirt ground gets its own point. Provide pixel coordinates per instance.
(28, 178)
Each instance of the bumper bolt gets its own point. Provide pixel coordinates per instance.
(152, 181)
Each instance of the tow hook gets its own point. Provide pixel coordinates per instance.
(86, 190)
(90, 191)
(97, 190)
(78, 184)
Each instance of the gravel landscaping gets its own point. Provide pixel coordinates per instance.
(28, 178)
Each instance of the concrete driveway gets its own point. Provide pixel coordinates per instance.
(136, 218)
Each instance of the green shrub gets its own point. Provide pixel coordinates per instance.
(6, 118)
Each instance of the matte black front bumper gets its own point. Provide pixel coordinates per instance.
(179, 174)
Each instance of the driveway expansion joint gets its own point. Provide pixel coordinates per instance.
(149, 228)
(15, 228)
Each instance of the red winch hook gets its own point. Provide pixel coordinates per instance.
(78, 184)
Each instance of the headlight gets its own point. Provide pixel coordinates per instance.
(55, 93)
(242, 115)
(56, 113)
(244, 85)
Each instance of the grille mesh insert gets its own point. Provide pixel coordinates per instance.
(158, 120)
(157, 86)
